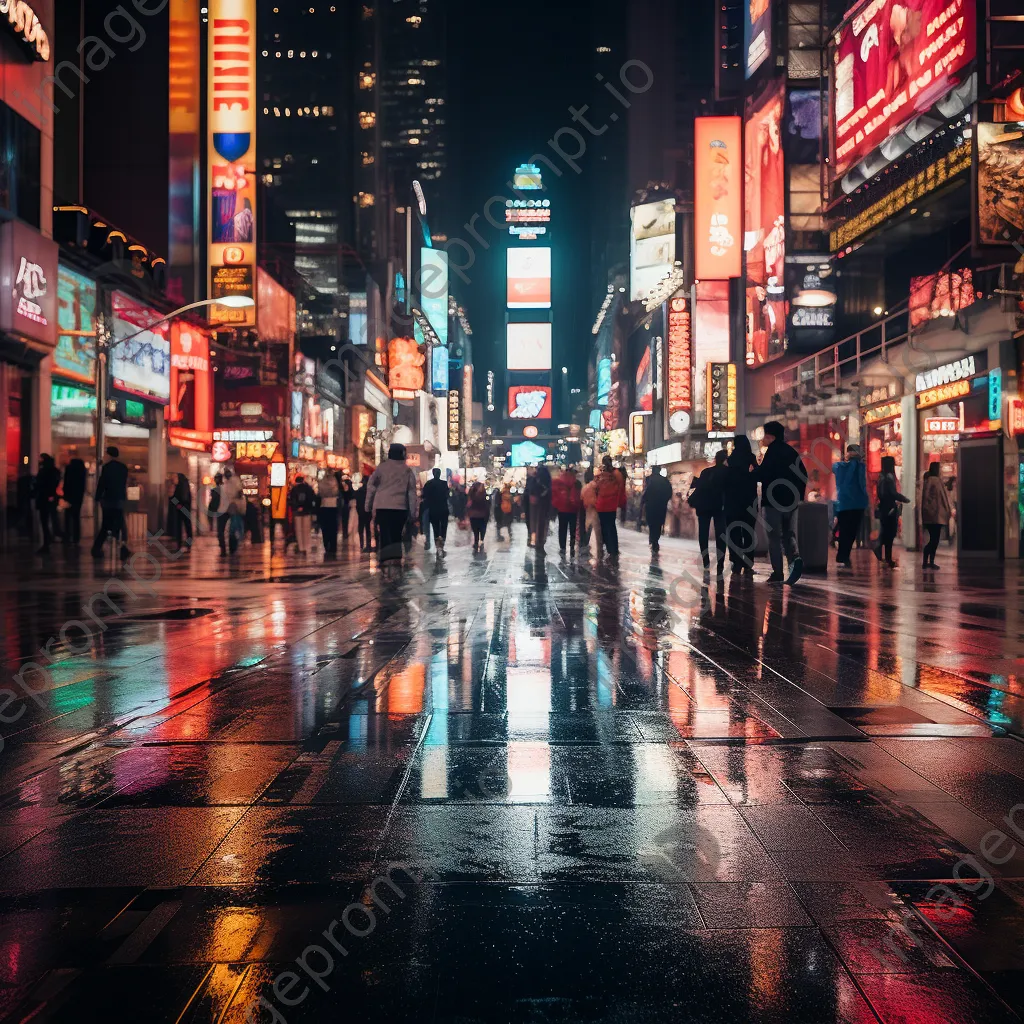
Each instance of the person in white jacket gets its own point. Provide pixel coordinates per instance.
(232, 508)
(391, 498)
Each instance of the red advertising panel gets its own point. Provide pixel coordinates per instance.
(938, 295)
(645, 382)
(190, 415)
(718, 198)
(680, 357)
(892, 61)
(765, 229)
(529, 402)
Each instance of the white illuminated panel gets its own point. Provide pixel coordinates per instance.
(528, 347)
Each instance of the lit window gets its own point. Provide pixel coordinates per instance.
(415, 20)
(604, 49)
(414, 141)
(367, 118)
(367, 158)
(366, 199)
(291, 53)
(367, 79)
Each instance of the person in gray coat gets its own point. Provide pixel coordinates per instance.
(391, 498)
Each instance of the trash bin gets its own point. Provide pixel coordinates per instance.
(813, 530)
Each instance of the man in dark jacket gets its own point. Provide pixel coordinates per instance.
(707, 499)
(302, 499)
(657, 494)
(111, 495)
(435, 499)
(783, 482)
(47, 482)
(75, 478)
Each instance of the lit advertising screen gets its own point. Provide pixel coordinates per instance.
(434, 293)
(75, 356)
(529, 402)
(528, 347)
(764, 235)
(652, 245)
(231, 171)
(680, 358)
(142, 365)
(940, 295)
(757, 33)
(1000, 173)
(891, 62)
(645, 382)
(529, 277)
(718, 198)
(710, 336)
(439, 371)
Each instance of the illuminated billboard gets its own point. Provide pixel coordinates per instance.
(710, 337)
(764, 235)
(528, 346)
(75, 355)
(718, 198)
(528, 453)
(529, 402)
(680, 363)
(231, 116)
(940, 295)
(529, 277)
(757, 34)
(141, 365)
(645, 382)
(434, 293)
(1000, 173)
(439, 371)
(652, 245)
(891, 62)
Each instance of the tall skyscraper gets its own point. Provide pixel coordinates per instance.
(304, 66)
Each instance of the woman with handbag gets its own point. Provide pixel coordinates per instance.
(888, 510)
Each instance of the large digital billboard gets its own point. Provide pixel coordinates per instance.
(764, 234)
(757, 34)
(75, 355)
(434, 293)
(529, 277)
(231, 116)
(1000, 177)
(652, 245)
(718, 198)
(891, 62)
(142, 365)
(529, 402)
(528, 347)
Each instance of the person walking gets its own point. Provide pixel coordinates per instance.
(478, 511)
(541, 504)
(179, 510)
(739, 501)
(435, 499)
(47, 483)
(364, 519)
(328, 514)
(459, 500)
(111, 495)
(391, 499)
(503, 509)
(851, 501)
(783, 482)
(936, 512)
(654, 501)
(232, 511)
(75, 478)
(707, 499)
(565, 497)
(302, 500)
(888, 510)
(590, 523)
(346, 498)
(611, 496)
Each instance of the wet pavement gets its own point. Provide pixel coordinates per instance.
(509, 789)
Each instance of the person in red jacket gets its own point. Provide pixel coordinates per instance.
(565, 496)
(611, 495)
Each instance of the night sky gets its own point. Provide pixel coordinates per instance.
(513, 76)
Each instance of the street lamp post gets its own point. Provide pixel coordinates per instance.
(104, 346)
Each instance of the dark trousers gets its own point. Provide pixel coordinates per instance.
(849, 524)
(890, 523)
(934, 534)
(343, 510)
(781, 537)
(609, 532)
(479, 530)
(439, 525)
(73, 523)
(655, 524)
(111, 525)
(365, 532)
(704, 529)
(45, 515)
(329, 530)
(391, 523)
(179, 522)
(567, 528)
(222, 525)
(740, 538)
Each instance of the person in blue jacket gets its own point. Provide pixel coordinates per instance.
(851, 501)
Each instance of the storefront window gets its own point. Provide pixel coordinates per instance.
(19, 166)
